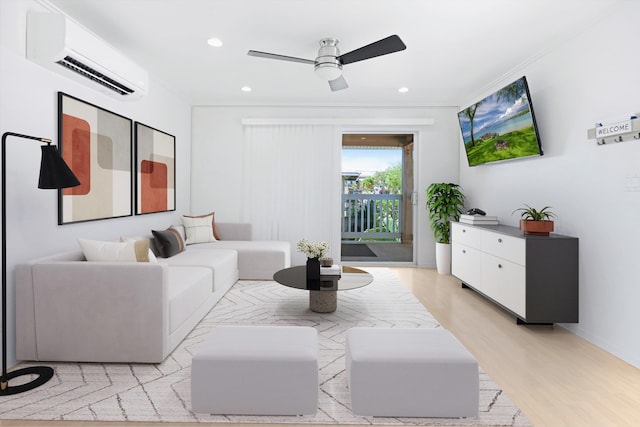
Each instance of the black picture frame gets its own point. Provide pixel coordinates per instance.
(155, 170)
(97, 144)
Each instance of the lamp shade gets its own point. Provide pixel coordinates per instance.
(54, 172)
(328, 71)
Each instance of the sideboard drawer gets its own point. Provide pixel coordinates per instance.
(465, 263)
(469, 236)
(505, 282)
(503, 246)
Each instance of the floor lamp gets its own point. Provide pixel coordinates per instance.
(54, 174)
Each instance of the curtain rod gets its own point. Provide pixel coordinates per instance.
(339, 121)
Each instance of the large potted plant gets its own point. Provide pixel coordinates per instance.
(536, 221)
(445, 202)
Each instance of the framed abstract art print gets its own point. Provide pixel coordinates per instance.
(155, 170)
(97, 146)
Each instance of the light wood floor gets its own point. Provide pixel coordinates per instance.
(555, 377)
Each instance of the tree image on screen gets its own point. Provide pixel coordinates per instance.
(500, 126)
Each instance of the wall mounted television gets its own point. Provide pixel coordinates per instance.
(501, 126)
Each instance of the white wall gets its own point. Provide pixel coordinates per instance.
(591, 78)
(217, 155)
(28, 105)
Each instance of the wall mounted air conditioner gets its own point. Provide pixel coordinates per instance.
(61, 45)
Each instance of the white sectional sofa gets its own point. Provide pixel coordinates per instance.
(70, 309)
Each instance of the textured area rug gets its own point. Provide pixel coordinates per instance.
(161, 393)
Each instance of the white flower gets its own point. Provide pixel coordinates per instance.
(312, 249)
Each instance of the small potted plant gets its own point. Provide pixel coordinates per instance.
(534, 221)
(445, 202)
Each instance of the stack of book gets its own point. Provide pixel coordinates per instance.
(334, 270)
(479, 219)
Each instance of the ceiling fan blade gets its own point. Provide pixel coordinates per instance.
(280, 57)
(338, 84)
(385, 46)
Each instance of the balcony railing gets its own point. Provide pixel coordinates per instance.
(372, 217)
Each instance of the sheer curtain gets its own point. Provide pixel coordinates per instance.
(292, 184)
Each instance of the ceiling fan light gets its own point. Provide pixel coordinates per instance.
(328, 71)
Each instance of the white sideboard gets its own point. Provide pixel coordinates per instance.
(534, 277)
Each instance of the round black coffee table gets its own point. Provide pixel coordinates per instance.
(323, 295)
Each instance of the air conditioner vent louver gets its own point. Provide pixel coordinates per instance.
(94, 75)
(62, 45)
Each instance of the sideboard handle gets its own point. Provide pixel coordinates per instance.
(464, 230)
(464, 251)
(499, 265)
(499, 240)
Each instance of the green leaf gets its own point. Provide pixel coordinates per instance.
(532, 214)
(445, 202)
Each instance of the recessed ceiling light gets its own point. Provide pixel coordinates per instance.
(215, 42)
(246, 88)
(403, 89)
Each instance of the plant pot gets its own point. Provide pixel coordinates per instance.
(443, 258)
(542, 228)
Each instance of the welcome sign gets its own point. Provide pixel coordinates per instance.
(612, 129)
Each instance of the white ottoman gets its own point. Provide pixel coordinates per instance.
(256, 370)
(410, 373)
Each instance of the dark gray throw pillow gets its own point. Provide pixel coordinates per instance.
(168, 242)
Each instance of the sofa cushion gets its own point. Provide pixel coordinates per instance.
(189, 287)
(168, 242)
(198, 229)
(132, 251)
(223, 263)
(257, 259)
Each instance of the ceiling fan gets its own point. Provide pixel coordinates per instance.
(328, 64)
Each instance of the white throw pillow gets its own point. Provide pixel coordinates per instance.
(152, 256)
(198, 229)
(132, 251)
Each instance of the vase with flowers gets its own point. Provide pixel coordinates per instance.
(314, 251)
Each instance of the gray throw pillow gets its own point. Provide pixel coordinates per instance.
(168, 242)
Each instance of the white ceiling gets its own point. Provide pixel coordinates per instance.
(455, 48)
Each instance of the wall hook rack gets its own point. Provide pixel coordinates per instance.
(605, 133)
